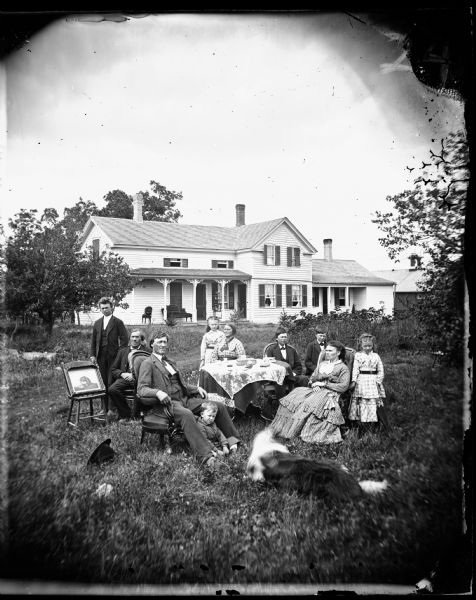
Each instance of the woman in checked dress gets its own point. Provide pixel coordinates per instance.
(366, 405)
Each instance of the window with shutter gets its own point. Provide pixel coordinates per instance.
(289, 295)
(261, 295)
(297, 257)
(96, 248)
(265, 254)
(185, 263)
(279, 295)
(304, 295)
(231, 296)
(290, 257)
(166, 262)
(215, 296)
(230, 264)
(277, 255)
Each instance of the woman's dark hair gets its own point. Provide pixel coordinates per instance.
(232, 327)
(213, 318)
(339, 347)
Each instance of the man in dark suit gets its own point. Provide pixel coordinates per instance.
(109, 334)
(121, 374)
(161, 385)
(313, 351)
(283, 351)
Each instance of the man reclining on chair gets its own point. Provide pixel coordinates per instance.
(160, 385)
(121, 374)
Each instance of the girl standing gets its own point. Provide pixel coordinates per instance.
(211, 338)
(366, 404)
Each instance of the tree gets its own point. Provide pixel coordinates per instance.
(46, 275)
(431, 218)
(158, 206)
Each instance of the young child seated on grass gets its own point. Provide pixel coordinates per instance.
(206, 424)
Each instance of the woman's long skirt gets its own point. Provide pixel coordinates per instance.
(314, 415)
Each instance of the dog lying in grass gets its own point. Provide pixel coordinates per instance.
(270, 461)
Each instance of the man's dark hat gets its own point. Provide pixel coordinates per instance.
(103, 453)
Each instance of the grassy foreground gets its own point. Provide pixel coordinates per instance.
(169, 521)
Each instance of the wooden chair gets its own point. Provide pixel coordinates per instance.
(85, 386)
(147, 314)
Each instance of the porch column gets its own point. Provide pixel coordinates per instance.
(194, 282)
(347, 296)
(223, 283)
(250, 313)
(165, 283)
(329, 307)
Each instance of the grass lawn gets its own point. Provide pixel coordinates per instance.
(169, 521)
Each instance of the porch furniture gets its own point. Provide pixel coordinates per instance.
(85, 387)
(239, 385)
(174, 312)
(147, 314)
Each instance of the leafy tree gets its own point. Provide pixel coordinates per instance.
(431, 217)
(158, 205)
(47, 276)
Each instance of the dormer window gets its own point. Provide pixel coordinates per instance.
(222, 264)
(176, 262)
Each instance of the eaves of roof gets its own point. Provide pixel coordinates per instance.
(180, 273)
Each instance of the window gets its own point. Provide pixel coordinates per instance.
(272, 255)
(270, 295)
(293, 257)
(296, 295)
(176, 262)
(222, 264)
(229, 297)
(340, 296)
(96, 248)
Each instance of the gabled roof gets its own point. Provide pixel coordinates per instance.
(406, 279)
(179, 273)
(344, 272)
(127, 232)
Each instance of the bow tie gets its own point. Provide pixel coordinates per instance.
(283, 347)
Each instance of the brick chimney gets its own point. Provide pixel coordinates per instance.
(415, 261)
(240, 214)
(328, 249)
(137, 203)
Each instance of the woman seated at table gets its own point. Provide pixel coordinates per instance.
(314, 414)
(230, 347)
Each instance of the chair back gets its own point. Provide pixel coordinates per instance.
(266, 347)
(148, 311)
(136, 358)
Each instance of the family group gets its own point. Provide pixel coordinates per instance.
(340, 389)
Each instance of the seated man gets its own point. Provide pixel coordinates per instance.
(121, 374)
(314, 350)
(160, 385)
(283, 351)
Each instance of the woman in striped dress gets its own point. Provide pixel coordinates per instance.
(367, 387)
(314, 414)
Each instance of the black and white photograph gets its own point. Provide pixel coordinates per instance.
(256, 227)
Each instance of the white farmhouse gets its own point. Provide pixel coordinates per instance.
(258, 269)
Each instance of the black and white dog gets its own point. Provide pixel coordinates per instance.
(270, 461)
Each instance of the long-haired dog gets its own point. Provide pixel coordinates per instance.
(271, 462)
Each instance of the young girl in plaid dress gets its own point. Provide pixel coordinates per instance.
(367, 387)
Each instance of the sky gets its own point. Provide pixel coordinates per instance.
(314, 117)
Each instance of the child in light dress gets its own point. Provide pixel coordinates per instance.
(211, 432)
(366, 409)
(212, 337)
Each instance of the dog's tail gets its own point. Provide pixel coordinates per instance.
(374, 487)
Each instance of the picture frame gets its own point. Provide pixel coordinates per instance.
(83, 377)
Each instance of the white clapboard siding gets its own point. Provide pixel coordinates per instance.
(143, 258)
(97, 233)
(380, 296)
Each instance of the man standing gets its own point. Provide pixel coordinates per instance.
(313, 351)
(121, 374)
(283, 351)
(109, 334)
(161, 385)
